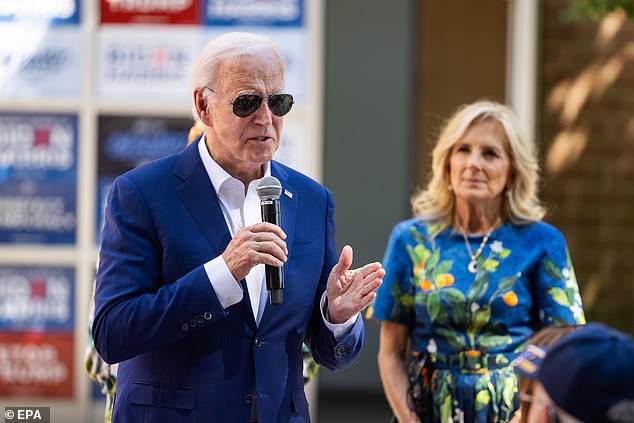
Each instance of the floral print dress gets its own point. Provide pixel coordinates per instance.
(472, 325)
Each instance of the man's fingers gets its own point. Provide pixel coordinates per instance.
(261, 243)
(366, 275)
(267, 227)
(263, 255)
(267, 238)
(271, 248)
(368, 269)
(377, 274)
(367, 299)
(270, 260)
(371, 286)
(345, 260)
(252, 236)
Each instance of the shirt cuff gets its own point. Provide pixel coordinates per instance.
(339, 330)
(228, 291)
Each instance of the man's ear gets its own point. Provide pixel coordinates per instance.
(202, 107)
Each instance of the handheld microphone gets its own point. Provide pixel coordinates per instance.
(269, 190)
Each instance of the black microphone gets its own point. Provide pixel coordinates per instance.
(269, 190)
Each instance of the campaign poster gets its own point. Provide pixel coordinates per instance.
(36, 332)
(127, 142)
(278, 13)
(36, 365)
(38, 178)
(49, 11)
(146, 63)
(40, 62)
(161, 12)
(36, 299)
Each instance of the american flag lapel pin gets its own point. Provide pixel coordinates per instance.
(288, 193)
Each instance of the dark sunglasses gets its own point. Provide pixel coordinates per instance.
(246, 104)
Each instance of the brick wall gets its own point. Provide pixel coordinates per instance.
(587, 142)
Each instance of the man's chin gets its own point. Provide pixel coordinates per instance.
(261, 148)
(262, 157)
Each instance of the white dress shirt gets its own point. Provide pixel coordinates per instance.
(241, 210)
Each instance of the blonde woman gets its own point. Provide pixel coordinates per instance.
(471, 276)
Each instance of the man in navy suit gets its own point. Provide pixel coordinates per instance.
(180, 300)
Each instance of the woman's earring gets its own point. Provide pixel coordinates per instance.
(449, 187)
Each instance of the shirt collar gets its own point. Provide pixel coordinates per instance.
(216, 173)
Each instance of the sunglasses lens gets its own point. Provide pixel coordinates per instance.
(246, 104)
(280, 104)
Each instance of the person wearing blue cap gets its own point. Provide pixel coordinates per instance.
(587, 376)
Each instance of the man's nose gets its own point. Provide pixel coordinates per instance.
(263, 115)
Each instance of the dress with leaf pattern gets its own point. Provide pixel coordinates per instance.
(474, 325)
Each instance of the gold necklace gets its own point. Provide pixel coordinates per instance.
(471, 267)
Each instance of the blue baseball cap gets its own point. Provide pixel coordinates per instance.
(528, 362)
(588, 373)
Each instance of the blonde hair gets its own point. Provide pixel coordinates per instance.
(223, 48)
(520, 205)
(195, 132)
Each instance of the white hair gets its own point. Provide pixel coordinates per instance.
(227, 47)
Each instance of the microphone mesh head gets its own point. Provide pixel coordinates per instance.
(269, 188)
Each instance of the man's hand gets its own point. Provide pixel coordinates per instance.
(350, 291)
(262, 243)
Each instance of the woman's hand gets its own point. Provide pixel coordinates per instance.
(393, 343)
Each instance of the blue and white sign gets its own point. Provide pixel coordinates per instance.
(145, 63)
(38, 178)
(37, 62)
(36, 299)
(286, 13)
(127, 142)
(52, 11)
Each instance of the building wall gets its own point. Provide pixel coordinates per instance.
(368, 138)
(587, 142)
(462, 59)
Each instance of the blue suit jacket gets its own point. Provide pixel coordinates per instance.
(183, 357)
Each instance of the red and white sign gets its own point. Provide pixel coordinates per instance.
(151, 11)
(36, 365)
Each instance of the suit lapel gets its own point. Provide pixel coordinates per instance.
(199, 197)
(288, 209)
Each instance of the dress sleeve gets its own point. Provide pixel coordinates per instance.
(555, 289)
(395, 297)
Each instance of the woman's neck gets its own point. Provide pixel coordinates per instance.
(475, 219)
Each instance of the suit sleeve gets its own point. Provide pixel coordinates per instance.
(327, 351)
(135, 310)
